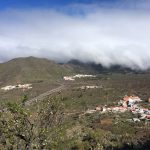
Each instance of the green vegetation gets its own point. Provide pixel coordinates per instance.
(23, 129)
(50, 126)
(58, 121)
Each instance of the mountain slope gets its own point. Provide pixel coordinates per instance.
(31, 69)
(98, 68)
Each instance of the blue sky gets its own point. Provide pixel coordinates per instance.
(5, 4)
(39, 3)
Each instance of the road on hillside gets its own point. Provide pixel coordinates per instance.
(42, 96)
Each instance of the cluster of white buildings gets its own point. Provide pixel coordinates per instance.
(129, 103)
(68, 78)
(90, 87)
(132, 104)
(18, 86)
(72, 78)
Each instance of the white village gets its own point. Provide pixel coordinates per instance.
(72, 78)
(128, 103)
(17, 86)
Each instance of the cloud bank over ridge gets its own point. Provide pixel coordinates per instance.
(103, 36)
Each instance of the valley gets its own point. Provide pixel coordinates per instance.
(70, 112)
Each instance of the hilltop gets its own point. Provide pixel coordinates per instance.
(31, 69)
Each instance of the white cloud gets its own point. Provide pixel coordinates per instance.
(102, 36)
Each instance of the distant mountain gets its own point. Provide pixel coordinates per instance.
(81, 67)
(31, 69)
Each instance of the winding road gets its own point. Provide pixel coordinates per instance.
(43, 95)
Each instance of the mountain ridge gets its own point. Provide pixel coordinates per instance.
(33, 69)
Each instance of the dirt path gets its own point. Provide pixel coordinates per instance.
(42, 96)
